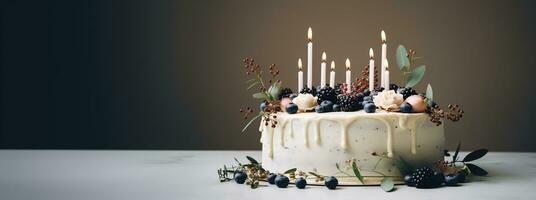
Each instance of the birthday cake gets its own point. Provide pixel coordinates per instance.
(364, 131)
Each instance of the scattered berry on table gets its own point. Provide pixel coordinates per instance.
(301, 182)
(240, 177)
(281, 181)
(291, 108)
(331, 182)
(451, 180)
(271, 178)
(460, 176)
(408, 180)
(405, 107)
(423, 177)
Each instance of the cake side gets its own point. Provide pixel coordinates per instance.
(317, 142)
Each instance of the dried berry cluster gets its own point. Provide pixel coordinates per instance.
(454, 113)
(362, 83)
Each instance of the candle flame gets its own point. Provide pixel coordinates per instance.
(324, 56)
(310, 34)
(347, 64)
(332, 65)
(371, 53)
(299, 64)
(383, 36)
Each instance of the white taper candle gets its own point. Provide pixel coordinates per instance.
(384, 58)
(300, 75)
(371, 70)
(332, 75)
(348, 76)
(386, 82)
(323, 71)
(310, 59)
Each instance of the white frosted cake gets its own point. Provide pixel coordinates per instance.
(318, 141)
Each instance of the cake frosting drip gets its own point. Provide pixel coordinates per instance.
(411, 122)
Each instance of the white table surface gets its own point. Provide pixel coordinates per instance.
(57, 175)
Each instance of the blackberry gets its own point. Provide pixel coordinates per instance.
(423, 178)
(393, 86)
(326, 94)
(285, 93)
(307, 90)
(347, 103)
(406, 92)
(338, 89)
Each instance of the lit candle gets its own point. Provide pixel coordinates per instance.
(386, 82)
(310, 59)
(384, 59)
(332, 75)
(300, 75)
(323, 71)
(371, 70)
(348, 76)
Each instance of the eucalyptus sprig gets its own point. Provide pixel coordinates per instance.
(405, 60)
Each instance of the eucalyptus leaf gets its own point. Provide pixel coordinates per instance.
(274, 90)
(475, 155)
(476, 170)
(252, 160)
(357, 173)
(259, 95)
(415, 76)
(387, 184)
(429, 92)
(253, 84)
(402, 166)
(402, 57)
(337, 165)
(455, 157)
(250, 121)
(290, 171)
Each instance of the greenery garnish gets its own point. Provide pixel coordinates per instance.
(474, 155)
(405, 60)
(429, 93)
(357, 173)
(290, 171)
(268, 91)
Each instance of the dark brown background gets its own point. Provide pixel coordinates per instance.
(168, 74)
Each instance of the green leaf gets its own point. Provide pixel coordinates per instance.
(252, 160)
(429, 92)
(455, 157)
(250, 121)
(357, 173)
(476, 170)
(475, 155)
(251, 80)
(415, 76)
(290, 171)
(315, 174)
(274, 90)
(387, 184)
(253, 84)
(338, 167)
(259, 95)
(402, 57)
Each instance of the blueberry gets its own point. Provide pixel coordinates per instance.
(405, 107)
(408, 179)
(240, 177)
(393, 87)
(262, 106)
(327, 106)
(360, 96)
(331, 182)
(451, 180)
(366, 92)
(292, 96)
(370, 108)
(301, 182)
(281, 181)
(271, 178)
(291, 108)
(367, 98)
(438, 179)
(460, 176)
(336, 108)
(319, 109)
